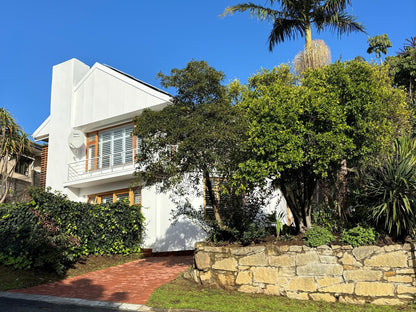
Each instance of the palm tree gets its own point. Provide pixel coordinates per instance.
(295, 17)
(13, 143)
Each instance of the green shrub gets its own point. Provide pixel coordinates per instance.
(317, 236)
(29, 238)
(387, 190)
(359, 236)
(52, 232)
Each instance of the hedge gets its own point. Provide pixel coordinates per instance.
(52, 232)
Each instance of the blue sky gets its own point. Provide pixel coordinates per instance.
(143, 38)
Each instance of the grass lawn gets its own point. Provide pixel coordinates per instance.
(13, 279)
(185, 294)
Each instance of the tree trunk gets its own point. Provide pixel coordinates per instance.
(213, 199)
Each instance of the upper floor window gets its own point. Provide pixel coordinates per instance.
(110, 147)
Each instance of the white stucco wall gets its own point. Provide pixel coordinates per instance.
(64, 77)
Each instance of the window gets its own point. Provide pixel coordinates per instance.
(132, 196)
(110, 147)
(23, 165)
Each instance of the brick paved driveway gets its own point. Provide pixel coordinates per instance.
(131, 282)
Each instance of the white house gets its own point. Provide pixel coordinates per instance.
(90, 154)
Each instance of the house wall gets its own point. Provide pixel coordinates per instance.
(64, 78)
(90, 99)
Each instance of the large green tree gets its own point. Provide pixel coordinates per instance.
(300, 131)
(292, 18)
(379, 44)
(197, 138)
(403, 69)
(13, 143)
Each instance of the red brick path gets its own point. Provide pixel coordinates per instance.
(131, 282)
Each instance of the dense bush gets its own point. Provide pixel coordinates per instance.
(386, 192)
(317, 236)
(359, 236)
(243, 219)
(52, 231)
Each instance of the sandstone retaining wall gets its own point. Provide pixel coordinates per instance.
(379, 275)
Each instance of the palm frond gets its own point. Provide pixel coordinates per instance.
(260, 12)
(341, 22)
(285, 29)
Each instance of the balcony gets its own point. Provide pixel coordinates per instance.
(102, 169)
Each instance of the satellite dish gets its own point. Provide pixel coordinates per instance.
(76, 139)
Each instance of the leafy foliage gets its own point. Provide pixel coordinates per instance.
(359, 236)
(317, 236)
(379, 44)
(300, 131)
(52, 232)
(403, 70)
(243, 219)
(198, 138)
(387, 191)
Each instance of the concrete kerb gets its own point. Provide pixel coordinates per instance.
(79, 302)
(90, 303)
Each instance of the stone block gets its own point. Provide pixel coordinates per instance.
(265, 275)
(362, 275)
(389, 273)
(206, 277)
(284, 248)
(259, 259)
(406, 271)
(245, 251)
(349, 259)
(390, 248)
(249, 289)
(389, 301)
(282, 261)
(322, 297)
(272, 290)
(302, 284)
(397, 259)
(352, 300)
(326, 281)
(287, 271)
(374, 289)
(339, 289)
(297, 296)
(400, 279)
(226, 280)
(302, 259)
(244, 277)
(227, 264)
(295, 248)
(363, 252)
(202, 261)
(402, 289)
(216, 249)
(319, 269)
(328, 259)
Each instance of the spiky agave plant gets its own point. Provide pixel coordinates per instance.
(388, 189)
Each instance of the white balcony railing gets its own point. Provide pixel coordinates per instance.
(101, 165)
